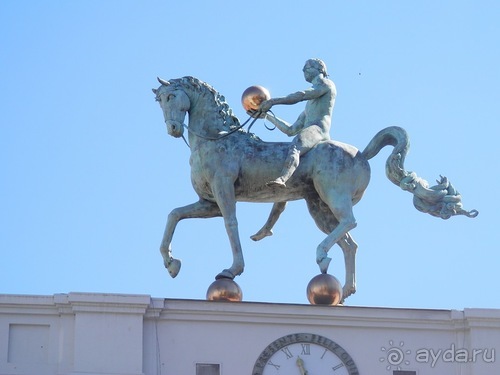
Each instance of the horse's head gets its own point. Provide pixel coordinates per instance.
(174, 103)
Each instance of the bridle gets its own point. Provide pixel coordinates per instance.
(226, 134)
(222, 135)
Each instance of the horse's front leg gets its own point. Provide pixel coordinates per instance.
(223, 190)
(200, 209)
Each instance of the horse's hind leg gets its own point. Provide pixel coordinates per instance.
(349, 248)
(341, 207)
(267, 229)
(200, 209)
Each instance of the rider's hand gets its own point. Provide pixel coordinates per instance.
(265, 106)
(256, 113)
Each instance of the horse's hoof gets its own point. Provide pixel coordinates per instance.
(346, 292)
(263, 233)
(323, 264)
(226, 274)
(173, 267)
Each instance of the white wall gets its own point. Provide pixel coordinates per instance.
(83, 333)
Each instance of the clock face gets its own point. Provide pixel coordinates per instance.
(304, 354)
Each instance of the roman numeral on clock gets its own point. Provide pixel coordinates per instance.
(287, 352)
(277, 367)
(306, 349)
(340, 365)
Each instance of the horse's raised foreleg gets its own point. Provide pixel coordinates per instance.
(267, 229)
(349, 247)
(200, 209)
(223, 190)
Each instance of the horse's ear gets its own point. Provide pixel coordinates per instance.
(154, 91)
(163, 82)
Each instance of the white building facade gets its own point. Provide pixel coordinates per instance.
(108, 334)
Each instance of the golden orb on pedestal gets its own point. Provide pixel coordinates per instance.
(253, 96)
(224, 289)
(324, 289)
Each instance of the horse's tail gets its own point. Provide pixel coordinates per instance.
(391, 136)
(441, 200)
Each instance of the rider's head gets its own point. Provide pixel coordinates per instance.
(315, 64)
(318, 64)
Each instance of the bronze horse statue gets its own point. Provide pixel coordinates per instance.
(229, 164)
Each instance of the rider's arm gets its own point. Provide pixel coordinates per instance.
(299, 96)
(285, 127)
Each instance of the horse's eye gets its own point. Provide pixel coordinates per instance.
(170, 96)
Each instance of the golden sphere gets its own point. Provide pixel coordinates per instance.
(224, 289)
(253, 96)
(324, 289)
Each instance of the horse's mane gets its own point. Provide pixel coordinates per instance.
(230, 121)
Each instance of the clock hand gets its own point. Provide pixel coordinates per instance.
(300, 363)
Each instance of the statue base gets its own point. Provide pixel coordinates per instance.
(224, 289)
(324, 289)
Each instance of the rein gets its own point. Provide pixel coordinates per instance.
(221, 136)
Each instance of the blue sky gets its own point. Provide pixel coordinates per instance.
(89, 173)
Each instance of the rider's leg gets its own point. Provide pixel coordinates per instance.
(291, 164)
(302, 143)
